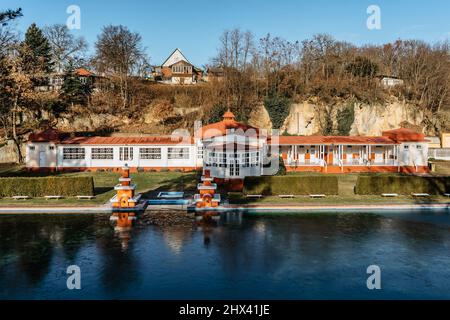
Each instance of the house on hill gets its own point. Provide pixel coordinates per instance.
(390, 81)
(54, 81)
(214, 73)
(177, 69)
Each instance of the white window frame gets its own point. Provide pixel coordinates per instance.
(149, 153)
(178, 153)
(126, 153)
(74, 153)
(102, 153)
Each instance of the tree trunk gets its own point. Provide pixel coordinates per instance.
(15, 136)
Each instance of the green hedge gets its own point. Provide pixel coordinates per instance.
(46, 186)
(276, 185)
(401, 184)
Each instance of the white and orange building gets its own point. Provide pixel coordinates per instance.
(230, 151)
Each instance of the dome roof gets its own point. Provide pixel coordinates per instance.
(222, 127)
(228, 115)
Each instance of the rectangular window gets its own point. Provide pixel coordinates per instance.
(200, 153)
(102, 153)
(31, 148)
(178, 153)
(51, 148)
(74, 153)
(125, 153)
(150, 153)
(419, 147)
(406, 148)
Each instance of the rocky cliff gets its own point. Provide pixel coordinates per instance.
(308, 118)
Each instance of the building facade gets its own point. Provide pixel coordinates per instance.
(231, 150)
(177, 69)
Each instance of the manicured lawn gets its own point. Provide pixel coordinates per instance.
(148, 183)
(345, 196)
(338, 200)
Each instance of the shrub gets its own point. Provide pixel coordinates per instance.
(281, 168)
(46, 186)
(278, 108)
(379, 184)
(275, 185)
(345, 119)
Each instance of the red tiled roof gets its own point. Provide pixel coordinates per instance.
(83, 72)
(220, 128)
(129, 140)
(47, 135)
(404, 134)
(288, 140)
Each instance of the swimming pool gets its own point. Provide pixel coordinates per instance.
(167, 201)
(171, 194)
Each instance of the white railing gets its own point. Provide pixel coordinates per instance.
(316, 162)
(365, 162)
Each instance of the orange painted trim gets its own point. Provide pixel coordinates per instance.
(358, 169)
(112, 169)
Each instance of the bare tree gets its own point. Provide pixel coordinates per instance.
(119, 53)
(236, 48)
(65, 47)
(18, 87)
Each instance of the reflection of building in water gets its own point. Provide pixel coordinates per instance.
(124, 235)
(207, 223)
(260, 226)
(232, 217)
(176, 236)
(123, 222)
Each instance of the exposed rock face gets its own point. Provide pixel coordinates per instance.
(373, 119)
(90, 122)
(259, 117)
(307, 118)
(303, 119)
(8, 152)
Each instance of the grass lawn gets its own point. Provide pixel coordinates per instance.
(148, 183)
(345, 196)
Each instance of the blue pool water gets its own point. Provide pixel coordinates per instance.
(306, 256)
(167, 201)
(171, 194)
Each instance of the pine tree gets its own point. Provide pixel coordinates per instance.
(9, 15)
(36, 51)
(73, 90)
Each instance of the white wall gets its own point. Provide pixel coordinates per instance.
(174, 58)
(136, 162)
(415, 155)
(49, 159)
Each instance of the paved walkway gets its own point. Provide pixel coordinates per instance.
(55, 210)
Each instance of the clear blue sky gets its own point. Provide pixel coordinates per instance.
(195, 26)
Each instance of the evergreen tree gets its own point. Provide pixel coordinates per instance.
(9, 15)
(73, 90)
(36, 51)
